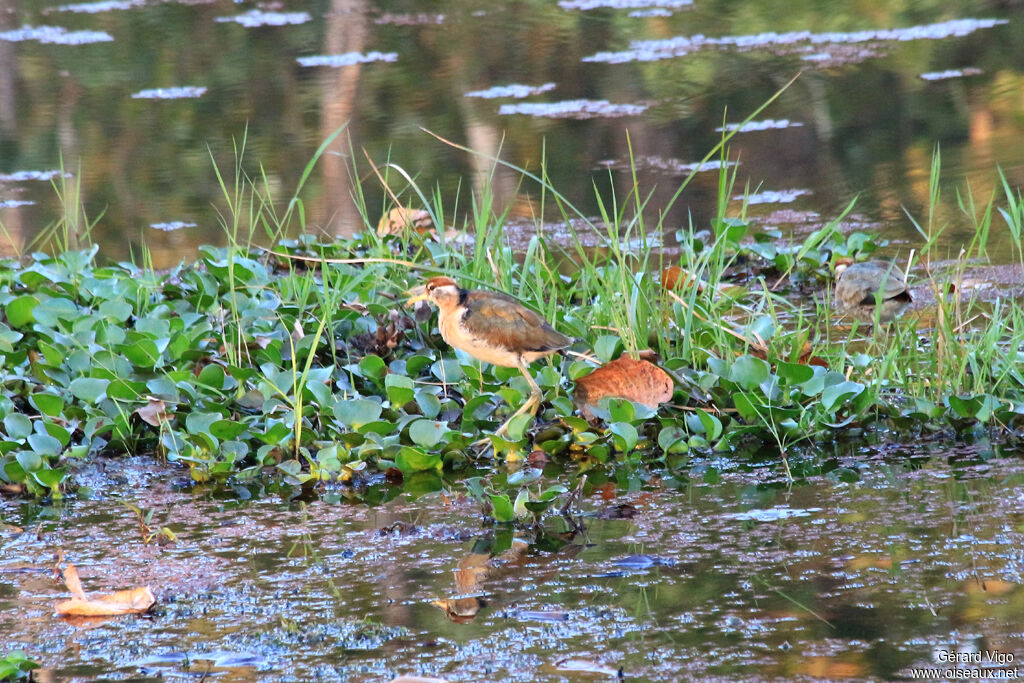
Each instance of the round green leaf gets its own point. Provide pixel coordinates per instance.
(749, 372)
(19, 311)
(47, 404)
(416, 460)
(29, 460)
(502, 508)
(89, 389)
(357, 412)
(427, 433)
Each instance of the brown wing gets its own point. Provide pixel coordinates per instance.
(505, 322)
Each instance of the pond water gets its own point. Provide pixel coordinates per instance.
(138, 99)
(892, 558)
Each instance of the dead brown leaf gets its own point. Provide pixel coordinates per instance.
(401, 218)
(122, 602)
(154, 412)
(635, 380)
(676, 278)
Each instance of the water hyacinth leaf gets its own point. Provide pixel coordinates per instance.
(835, 395)
(519, 506)
(427, 433)
(429, 404)
(625, 435)
(50, 311)
(29, 460)
(373, 367)
(118, 309)
(712, 425)
(672, 439)
(400, 389)
(227, 429)
(212, 375)
(749, 372)
(47, 404)
(8, 338)
(44, 444)
(745, 406)
(606, 346)
(966, 407)
(200, 423)
(416, 460)
(19, 311)
(89, 389)
(502, 509)
(793, 373)
(525, 476)
(447, 370)
(56, 431)
(357, 412)
(517, 427)
(620, 410)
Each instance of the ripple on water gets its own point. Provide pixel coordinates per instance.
(511, 90)
(651, 50)
(171, 226)
(623, 4)
(55, 35)
(573, 109)
(348, 59)
(752, 126)
(15, 203)
(773, 196)
(255, 18)
(950, 73)
(22, 176)
(175, 93)
(102, 6)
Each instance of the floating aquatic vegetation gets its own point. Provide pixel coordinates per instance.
(348, 59)
(97, 7)
(55, 35)
(773, 196)
(175, 93)
(513, 90)
(422, 19)
(254, 18)
(573, 109)
(651, 50)
(751, 126)
(171, 226)
(623, 4)
(22, 176)
(665, 165)
(15, 203)
(950, 73)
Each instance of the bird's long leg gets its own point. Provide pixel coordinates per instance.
(531, 403)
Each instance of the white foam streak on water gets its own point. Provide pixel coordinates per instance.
(55, 35)
(175, 93)
(649, 50)
(348, 59)
(254, 18)
(573, 109)
(512, 90)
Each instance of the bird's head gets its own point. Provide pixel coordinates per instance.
(443, 291)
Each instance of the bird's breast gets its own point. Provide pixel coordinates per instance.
(480, 348)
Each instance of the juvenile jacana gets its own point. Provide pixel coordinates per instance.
(858, 284)
(494, 328)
